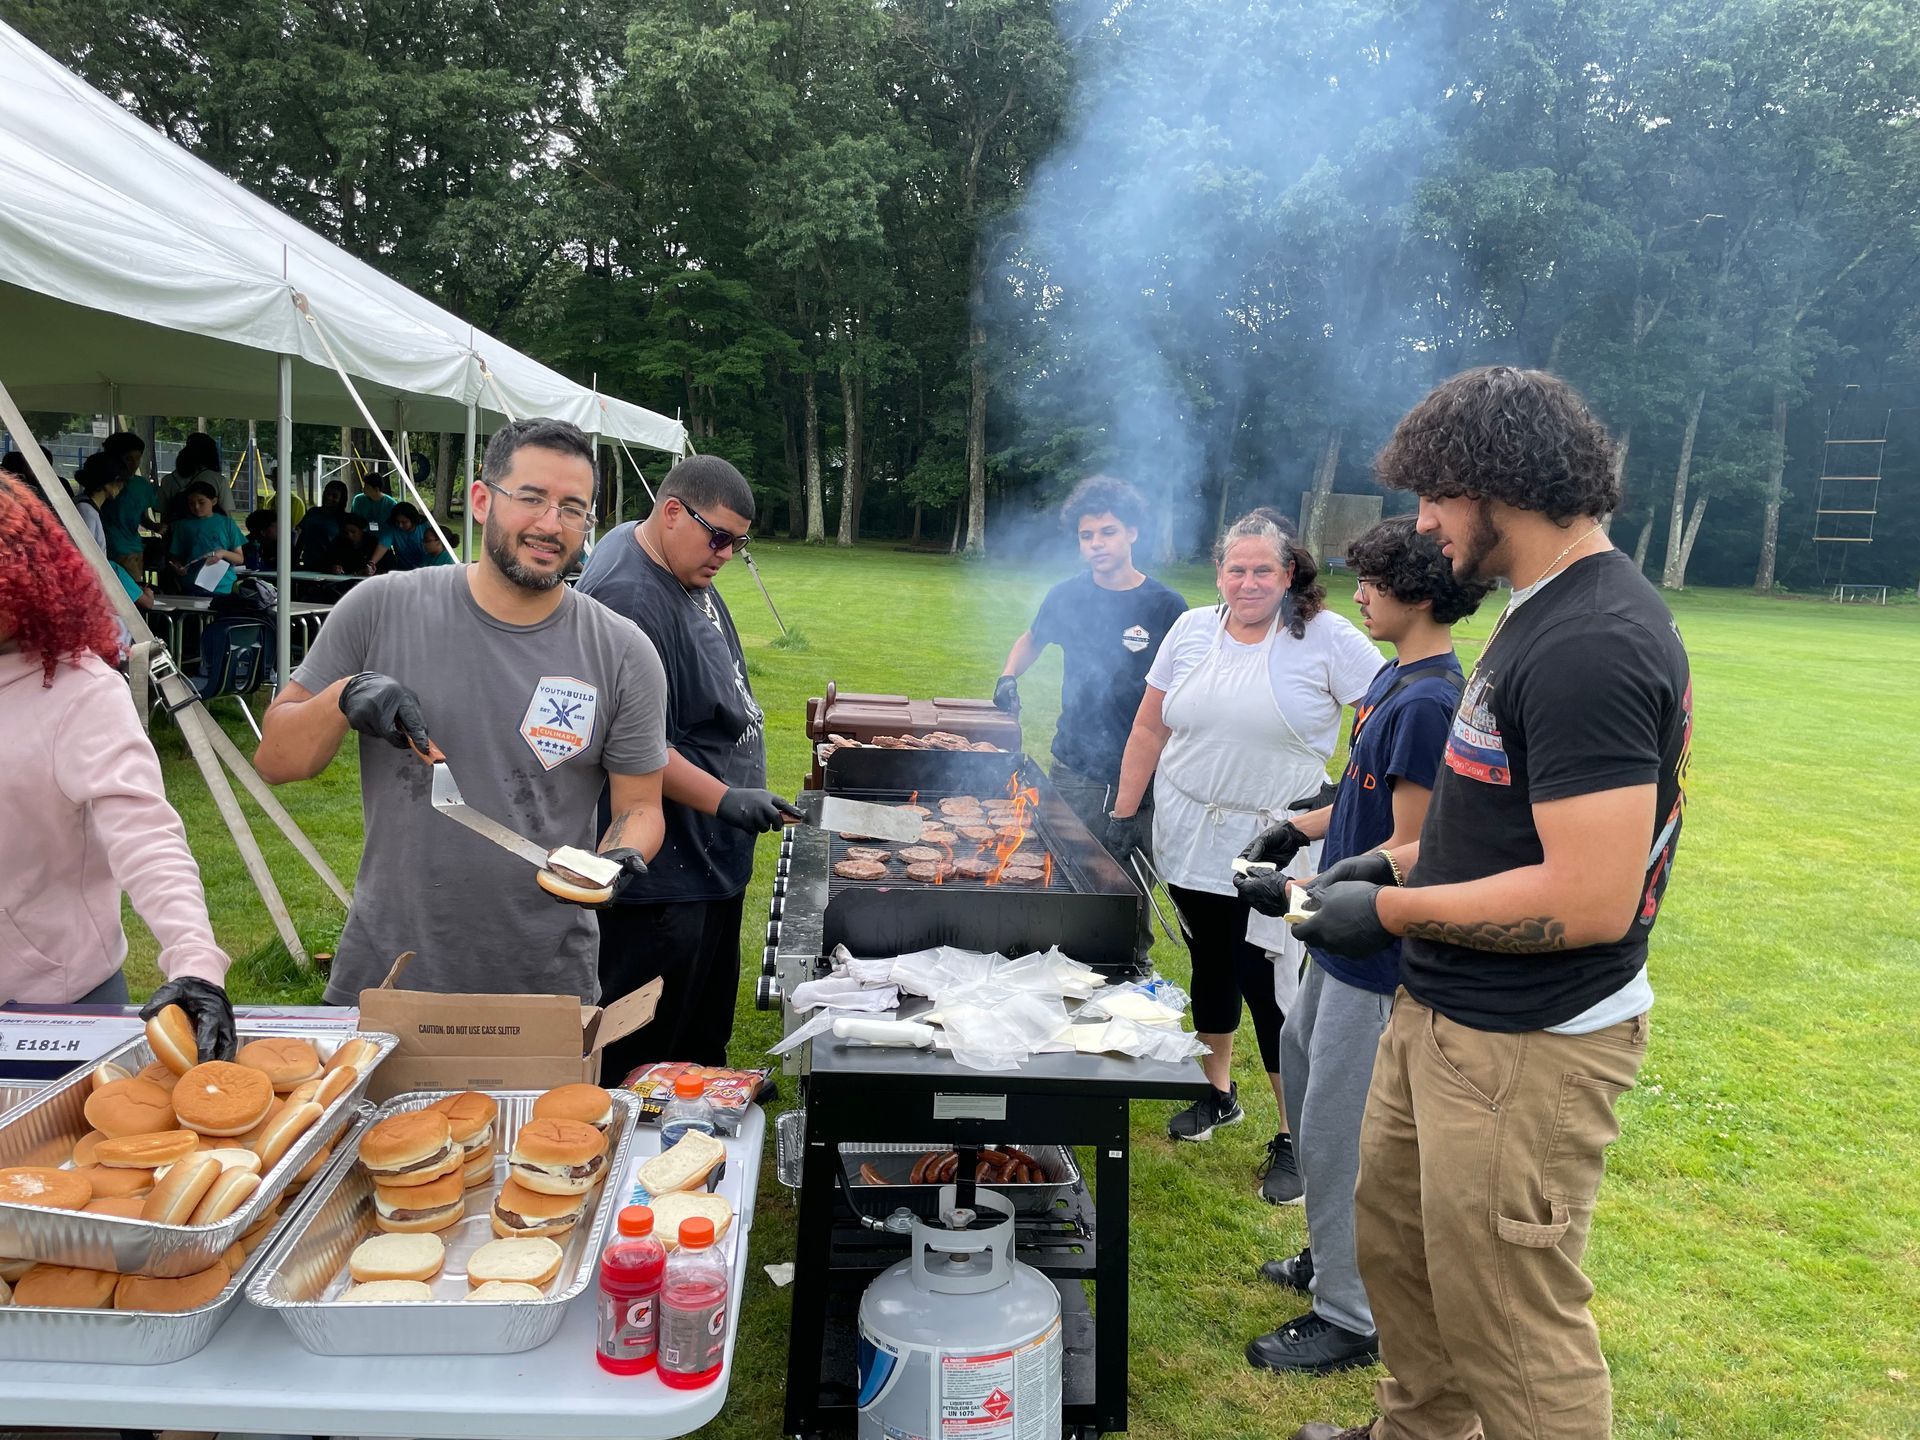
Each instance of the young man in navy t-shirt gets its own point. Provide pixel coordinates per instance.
(1108, 622)
(1408, 598)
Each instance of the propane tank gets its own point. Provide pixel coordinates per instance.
(961, 1338)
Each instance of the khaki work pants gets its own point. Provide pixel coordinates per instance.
(1480, 1157)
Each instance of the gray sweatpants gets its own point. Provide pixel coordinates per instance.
(1326, 1064)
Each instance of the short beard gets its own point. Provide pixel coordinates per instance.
(1481, 541)
(500, 551)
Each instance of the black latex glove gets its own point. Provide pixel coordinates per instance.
(1266, 892)
(207, 1007)
(380, 706)
(1344, 919)
(1277, 844)
(755, 811)
(1125, 835)
(1319, 800)
(1006, 694)
(1370, 866)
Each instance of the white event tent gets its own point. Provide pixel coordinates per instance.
(136, 279)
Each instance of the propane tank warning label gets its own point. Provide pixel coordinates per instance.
(1005, 1395)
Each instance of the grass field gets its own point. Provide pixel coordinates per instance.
(1757, 1251)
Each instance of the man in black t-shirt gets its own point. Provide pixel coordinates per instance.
(1108, 623)
(1524, 911)
(681, 920)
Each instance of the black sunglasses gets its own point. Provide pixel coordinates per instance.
(717, 539)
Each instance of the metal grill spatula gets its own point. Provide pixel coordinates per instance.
(595, 870)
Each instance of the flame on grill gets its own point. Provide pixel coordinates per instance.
(1024, 799)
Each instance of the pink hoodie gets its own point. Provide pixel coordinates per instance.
(83, 815)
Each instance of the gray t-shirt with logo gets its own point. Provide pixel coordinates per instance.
(532, 718)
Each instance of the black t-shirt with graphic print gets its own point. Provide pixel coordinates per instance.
(1107, 639)
(712, 717)
(1585, 688)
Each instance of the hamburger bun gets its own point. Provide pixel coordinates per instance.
(397, 1257)
(254, 1134)
(159, 1073)
(285, 1060)
(563, 885)
(420, 1209)
(181, 1190)
(278, 1134)
(558, 1157)
(6, 1293)
(126, 1207)
(411, 1148)
(65, 1287)
(313, 1167)
(183, 1292)
(229, 1191)
(108, 1073)
(117, 1183)
(324, 1089)
(382, 1291)
(222, 1099)
(11, 1270)
(86, 1150)
(234, 1256)
(145, 1152)
(526, 1261)
(670, 1210)
(260, 1226)
(684, 1165)
(478, 1170)
(233, 1157)
(170, 1036)
(504, 1290)
(471, 1116)
(44, 1187)
(357, 1052)
(129, 1107)
(519, 1212)
(589, 1104)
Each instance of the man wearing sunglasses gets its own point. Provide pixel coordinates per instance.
(681, 920)
(539, 700)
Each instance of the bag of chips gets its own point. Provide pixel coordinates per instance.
(729, 1092)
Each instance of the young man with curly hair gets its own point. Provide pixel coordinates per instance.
(1523, 912)
(1410, 599)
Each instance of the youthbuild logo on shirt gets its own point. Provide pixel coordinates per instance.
(559, 721)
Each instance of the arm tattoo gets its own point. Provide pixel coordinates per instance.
(1536, 936)
(615, 832)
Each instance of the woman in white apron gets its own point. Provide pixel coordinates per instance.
(1241, 714)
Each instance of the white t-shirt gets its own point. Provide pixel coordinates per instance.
(1314, 677)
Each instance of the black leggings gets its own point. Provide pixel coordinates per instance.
(1227, 969)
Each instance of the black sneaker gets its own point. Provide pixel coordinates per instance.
(1332, 1430)
(1313, 1346)
(1293, 1273)
(1280, 1175)
(1200, 1119)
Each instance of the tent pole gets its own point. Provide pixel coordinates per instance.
(473, 464)
(283, 502)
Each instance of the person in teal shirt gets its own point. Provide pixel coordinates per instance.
(121, 516)
(401, 539)
(373, 504)
(204, 534)
(437, 554)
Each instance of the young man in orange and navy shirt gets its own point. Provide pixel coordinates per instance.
(1409, 599)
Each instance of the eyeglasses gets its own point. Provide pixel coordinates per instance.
(718, 539)
(531, 505)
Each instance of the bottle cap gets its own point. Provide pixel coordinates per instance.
(636, 1220)
(689, 1087)
(696, 1234)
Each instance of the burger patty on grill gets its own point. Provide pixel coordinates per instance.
(956, 805)
(928, 872)
(978, 834)
(867, 852)
(973, 869)
(860, 870)
(923, 855)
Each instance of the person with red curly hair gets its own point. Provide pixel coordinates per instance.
(86, 811)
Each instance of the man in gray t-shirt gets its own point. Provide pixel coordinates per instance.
(538, 698)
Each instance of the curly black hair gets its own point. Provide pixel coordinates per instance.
(1520, 436)
(1410, 567)
(1104, 495)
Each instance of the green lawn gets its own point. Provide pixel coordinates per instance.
(1757, 1253)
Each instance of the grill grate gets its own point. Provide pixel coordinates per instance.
(1039, 846)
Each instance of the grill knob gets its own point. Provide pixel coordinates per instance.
(773, 932)
(766, 994)
(769, 961)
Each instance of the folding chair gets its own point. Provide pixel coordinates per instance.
(242, 670)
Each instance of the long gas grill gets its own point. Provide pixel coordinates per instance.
(860, 1100)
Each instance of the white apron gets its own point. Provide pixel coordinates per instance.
(1228, 771)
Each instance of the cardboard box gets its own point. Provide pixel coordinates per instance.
(494, 1042)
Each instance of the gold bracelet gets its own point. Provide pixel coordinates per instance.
(1393, 865)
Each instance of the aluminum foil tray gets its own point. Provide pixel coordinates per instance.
(43, 1132)
(304, 1277)
(133, 1337)
(895, 1164)
(17, 1092)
